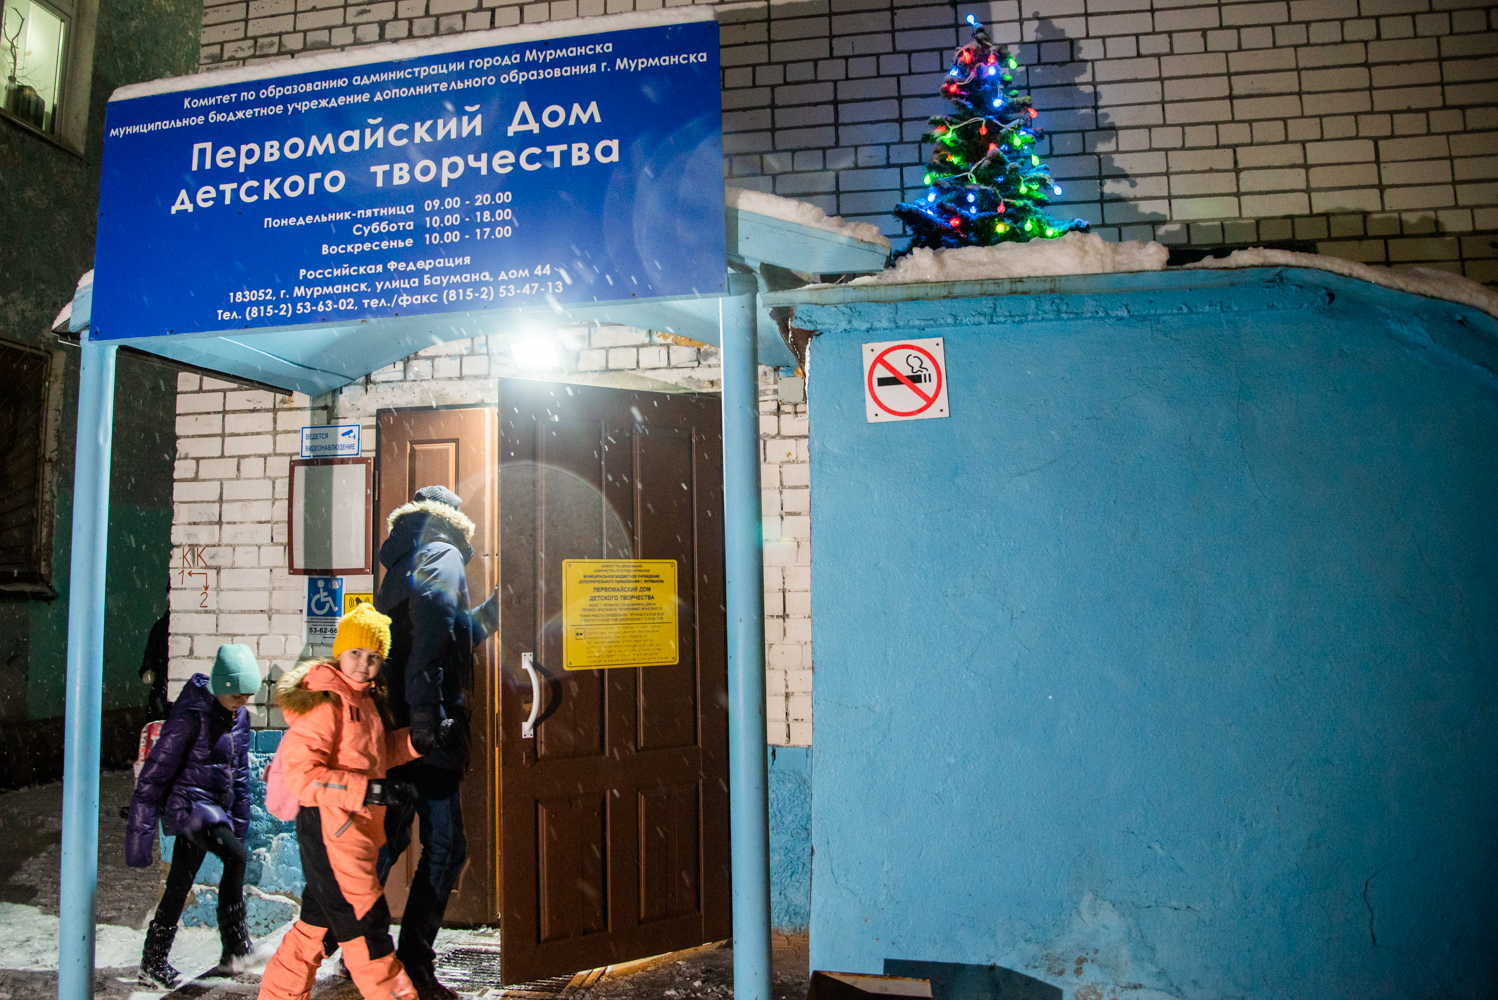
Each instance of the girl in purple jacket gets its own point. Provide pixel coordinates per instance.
(197, 782)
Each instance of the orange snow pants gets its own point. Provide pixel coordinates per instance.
(367, 949)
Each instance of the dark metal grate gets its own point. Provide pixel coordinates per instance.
(475, 970)
(469, 970)
(541, 989)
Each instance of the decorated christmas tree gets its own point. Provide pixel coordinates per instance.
(985, 184)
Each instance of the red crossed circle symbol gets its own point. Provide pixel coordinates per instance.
(882, 363)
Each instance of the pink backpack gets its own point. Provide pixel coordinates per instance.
(279, 801)
(149, 734)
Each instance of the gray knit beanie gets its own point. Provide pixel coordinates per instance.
(440, 494)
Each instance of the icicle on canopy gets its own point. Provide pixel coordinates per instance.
(986, 186)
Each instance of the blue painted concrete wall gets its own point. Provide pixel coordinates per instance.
(790, 838)
(1165, 666)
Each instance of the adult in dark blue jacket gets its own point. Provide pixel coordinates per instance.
(196, 781)
(433, 636)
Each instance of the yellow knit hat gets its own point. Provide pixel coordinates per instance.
(363, 628)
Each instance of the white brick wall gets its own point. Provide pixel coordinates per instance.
(234, 448)
(1364, 129)
(785, 496)
(229, 579)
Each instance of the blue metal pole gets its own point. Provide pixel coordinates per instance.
(749, 810)
(85, 681)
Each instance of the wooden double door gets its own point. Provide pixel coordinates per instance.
(604, 837)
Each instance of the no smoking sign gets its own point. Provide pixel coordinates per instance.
(904, 380)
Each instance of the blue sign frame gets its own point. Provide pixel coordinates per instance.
(500, 176)
(330, 441)
(324, 608)
(325, 597)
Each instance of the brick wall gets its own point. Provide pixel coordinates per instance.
(234, 450)
(1367, 129)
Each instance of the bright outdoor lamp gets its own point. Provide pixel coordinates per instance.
(535, 352)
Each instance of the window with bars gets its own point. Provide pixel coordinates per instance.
(25, 492)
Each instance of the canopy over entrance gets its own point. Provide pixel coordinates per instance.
(317, 357)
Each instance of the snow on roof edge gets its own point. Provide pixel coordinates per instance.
(1089, 253)
(416, 48)
(1423, 281)
(800, 212)
(1074, 253)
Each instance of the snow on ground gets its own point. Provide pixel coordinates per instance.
(1423, 281)
(28, 943)
(194, 957)
(1074, 253)
(790, 210)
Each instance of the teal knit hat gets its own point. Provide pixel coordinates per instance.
(234, 671)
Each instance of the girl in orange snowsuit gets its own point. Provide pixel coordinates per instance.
(333, 759)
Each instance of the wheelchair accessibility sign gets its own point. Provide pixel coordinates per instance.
(324, 608)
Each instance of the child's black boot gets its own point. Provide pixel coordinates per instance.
(155, 971)
(235, 935)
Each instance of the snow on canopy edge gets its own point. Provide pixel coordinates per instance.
(802, 213)
(416, 48)
(1089, 253)
(1074, 253)
(1423, 281)
(65, 314)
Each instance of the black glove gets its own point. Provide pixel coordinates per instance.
(385, 792)
(428, 733)
(487, 616)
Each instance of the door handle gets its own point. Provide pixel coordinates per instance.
(528, 727)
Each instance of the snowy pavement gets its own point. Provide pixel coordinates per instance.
(31, 832)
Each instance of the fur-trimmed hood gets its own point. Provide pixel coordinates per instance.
(441, 511)
(422, 522)
(293, 697)
(317, 682)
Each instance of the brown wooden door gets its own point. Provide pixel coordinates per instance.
(614, 817)
(456, 449)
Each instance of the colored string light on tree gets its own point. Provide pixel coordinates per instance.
(984, 185)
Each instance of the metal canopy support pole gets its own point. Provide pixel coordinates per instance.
(85, 681)
(749, 811)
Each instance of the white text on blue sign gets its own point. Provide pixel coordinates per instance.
(331, 441)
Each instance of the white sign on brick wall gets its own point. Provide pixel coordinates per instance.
(331, 441)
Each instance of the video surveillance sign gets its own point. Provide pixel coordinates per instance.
(496, 170)
(330, 441)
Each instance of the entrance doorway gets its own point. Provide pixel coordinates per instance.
(456, 449)
(604, 837)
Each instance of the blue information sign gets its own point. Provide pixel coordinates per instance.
(324, 608)
(495, 174)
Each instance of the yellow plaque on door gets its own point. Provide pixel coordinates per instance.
(619, 613)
